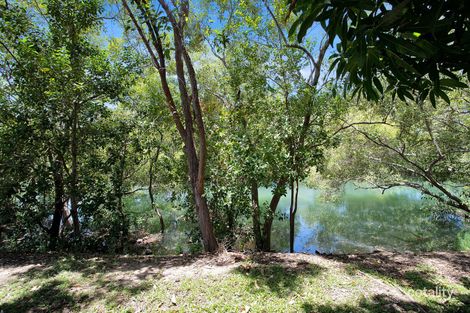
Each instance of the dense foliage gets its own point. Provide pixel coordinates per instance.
(418, 48)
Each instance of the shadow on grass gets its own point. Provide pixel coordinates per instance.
(405, 271)
(465, 281)
(279, 275)
(116, 293)
(50, 297)
(382, 303)
(409, 271)
(112, 280)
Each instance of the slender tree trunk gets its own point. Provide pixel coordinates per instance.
(466, 210)
(291, 232)
(291, 218)
(120, 193)
(124, 224)
(74, 174)
(76, 66)
(293, 211)
(59, 195)
(157, 211)
(231, 219)
(196, 163)
(256, 216)
(65, 218)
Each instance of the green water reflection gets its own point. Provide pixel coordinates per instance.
(366, 220)
(358, 221)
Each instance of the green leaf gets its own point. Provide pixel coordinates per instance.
(400, 62)
(294, 27)
(378, 85)
(432, 98)
(424, 94)
(333, 64)
(305, 26)
(400, 94)
(404, 46)
(452, 83)
(442, 95)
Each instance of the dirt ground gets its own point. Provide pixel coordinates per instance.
(455, 266)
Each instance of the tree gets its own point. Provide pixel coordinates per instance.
(68, 30)
(58, 86)
(152, 27)
(275, 115)
(392, 144)
(419, 49)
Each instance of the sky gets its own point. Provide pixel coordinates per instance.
(112, 27)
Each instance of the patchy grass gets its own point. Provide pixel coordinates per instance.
(234, 282)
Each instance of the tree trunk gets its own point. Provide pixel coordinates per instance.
(150, 189)
(268, 222)
(466, 210)
(74, 214)
(65, 218)
(293, 211)
(202, 210)
(256, 216)
(74, 174)
(291, 218)
(205, 224)
(231, 220)
(291, 232)
(157, 211)
(124, 223)
(120, 193)
(196, 163)
(59, 196)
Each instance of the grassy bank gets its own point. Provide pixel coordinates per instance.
(235, 282)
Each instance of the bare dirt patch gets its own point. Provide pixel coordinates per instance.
(10, 272)
(451, 265)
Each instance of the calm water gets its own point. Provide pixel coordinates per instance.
(357, 221)
(366, 220)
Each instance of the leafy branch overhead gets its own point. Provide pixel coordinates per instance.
(414, 49)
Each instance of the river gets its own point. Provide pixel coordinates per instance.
(355, 221)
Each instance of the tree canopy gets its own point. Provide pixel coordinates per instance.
(418, 49)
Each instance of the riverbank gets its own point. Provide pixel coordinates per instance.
(236, 282)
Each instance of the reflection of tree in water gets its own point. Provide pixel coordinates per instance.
(390, 221)
(364, 220)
